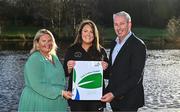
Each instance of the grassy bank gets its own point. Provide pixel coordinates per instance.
(15, 32)
(28, 32)
(141, 32)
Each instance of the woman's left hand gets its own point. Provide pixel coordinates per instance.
(104, 65)
(67, 94)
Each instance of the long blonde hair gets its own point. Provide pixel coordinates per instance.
(36, 40)
(95, 32)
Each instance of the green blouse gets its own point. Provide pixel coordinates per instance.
(44, 83)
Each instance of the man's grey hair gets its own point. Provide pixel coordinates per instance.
(123, 13)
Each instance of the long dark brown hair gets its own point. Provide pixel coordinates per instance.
(95, 33)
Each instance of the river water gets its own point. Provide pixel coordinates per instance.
(161, 80)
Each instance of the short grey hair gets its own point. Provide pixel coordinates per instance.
(123, 13)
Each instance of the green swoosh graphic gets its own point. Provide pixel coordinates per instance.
(91, 81)
(74, 75)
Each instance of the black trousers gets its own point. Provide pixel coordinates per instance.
(118, 106)
(85, 106)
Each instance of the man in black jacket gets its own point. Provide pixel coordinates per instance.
(127, 59)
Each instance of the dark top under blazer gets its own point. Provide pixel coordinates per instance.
(126, 76)
(77, 53)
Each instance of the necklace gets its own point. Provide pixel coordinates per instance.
(49, 58)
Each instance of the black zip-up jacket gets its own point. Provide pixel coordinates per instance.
(77, 53)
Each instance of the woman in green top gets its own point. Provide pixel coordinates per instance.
(44, 77)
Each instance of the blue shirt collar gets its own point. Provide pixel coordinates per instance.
(124, 40)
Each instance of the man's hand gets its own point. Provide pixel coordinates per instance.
(107, 97)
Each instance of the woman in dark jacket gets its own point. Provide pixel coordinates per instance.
(86, 47)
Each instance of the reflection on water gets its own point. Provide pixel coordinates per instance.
(161, 80)
(11, 79)
(162, 45)
(15, 45)
(26, 45)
